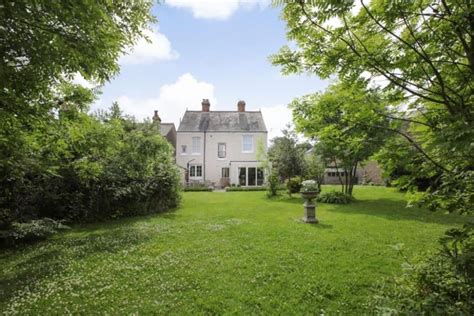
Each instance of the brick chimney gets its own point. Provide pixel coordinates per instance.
(156, 118)
(205, 105)
(241, 106)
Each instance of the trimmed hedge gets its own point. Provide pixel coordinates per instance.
(198, 189)
(235, 189)
(259, 188)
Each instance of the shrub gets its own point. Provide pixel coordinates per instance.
(441, 284)
(236, 189)
(273, 183)
(198, 188)
(455, 193)
(293, 185)
(80, 168)
(335, 197)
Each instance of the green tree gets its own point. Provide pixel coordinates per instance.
(45, 42)
(421, 53)
(346, 130)
(50, 149)
(287, 155)
(404, 167)
(315, 167)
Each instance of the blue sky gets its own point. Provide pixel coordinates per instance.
(209, 49)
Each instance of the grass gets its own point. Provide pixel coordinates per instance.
(223, 253)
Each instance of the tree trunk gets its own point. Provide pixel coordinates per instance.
(339, 176)
(352, 178)
(346, 179)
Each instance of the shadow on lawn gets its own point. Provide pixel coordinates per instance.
(320, 225)
(28, 272)
(52, 256)
(392, 209)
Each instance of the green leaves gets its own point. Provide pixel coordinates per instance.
(47, 41)
(417, 60)
(81, 168)
(345, 123)
(286, 155)
(55, 160)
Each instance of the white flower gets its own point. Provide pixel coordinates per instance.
(309, 185)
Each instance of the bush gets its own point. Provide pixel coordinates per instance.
(335, 197)
(455, 193)
(273, 183)
(120, 170)
(198, 188)
(81, 168)
(236, 189)
(441, 284)
(293, 185)
(30, 231)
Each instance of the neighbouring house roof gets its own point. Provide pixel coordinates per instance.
(222, 121)
(165, 128)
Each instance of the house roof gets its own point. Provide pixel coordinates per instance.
(165, 128)
(222, 121)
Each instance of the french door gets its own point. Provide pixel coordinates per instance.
(250, 176)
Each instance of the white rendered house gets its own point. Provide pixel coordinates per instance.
(220, 147)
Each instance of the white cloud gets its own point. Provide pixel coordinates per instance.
(172, 100)
(375, 81)
(215, 9)
(186, 93)
(276, 118)
(80, 80)
(158, 48)
(333, 23)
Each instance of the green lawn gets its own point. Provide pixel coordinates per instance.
(220, 253)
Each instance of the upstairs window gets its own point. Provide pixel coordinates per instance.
(196, 145)
(221, 150)
(247, 144)
(183, 149)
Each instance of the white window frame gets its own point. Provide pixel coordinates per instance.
(228, 172)
(225, 151)
(196, 147)
(247, 176)
(185, 152)
(194, 169)
(243, 144)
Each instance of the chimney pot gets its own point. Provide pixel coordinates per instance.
(205, 105)
(241, 106)
(156, 117)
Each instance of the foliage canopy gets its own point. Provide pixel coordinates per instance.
(419, 55)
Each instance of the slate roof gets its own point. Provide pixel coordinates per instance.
(222, 121)
(165, 128)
